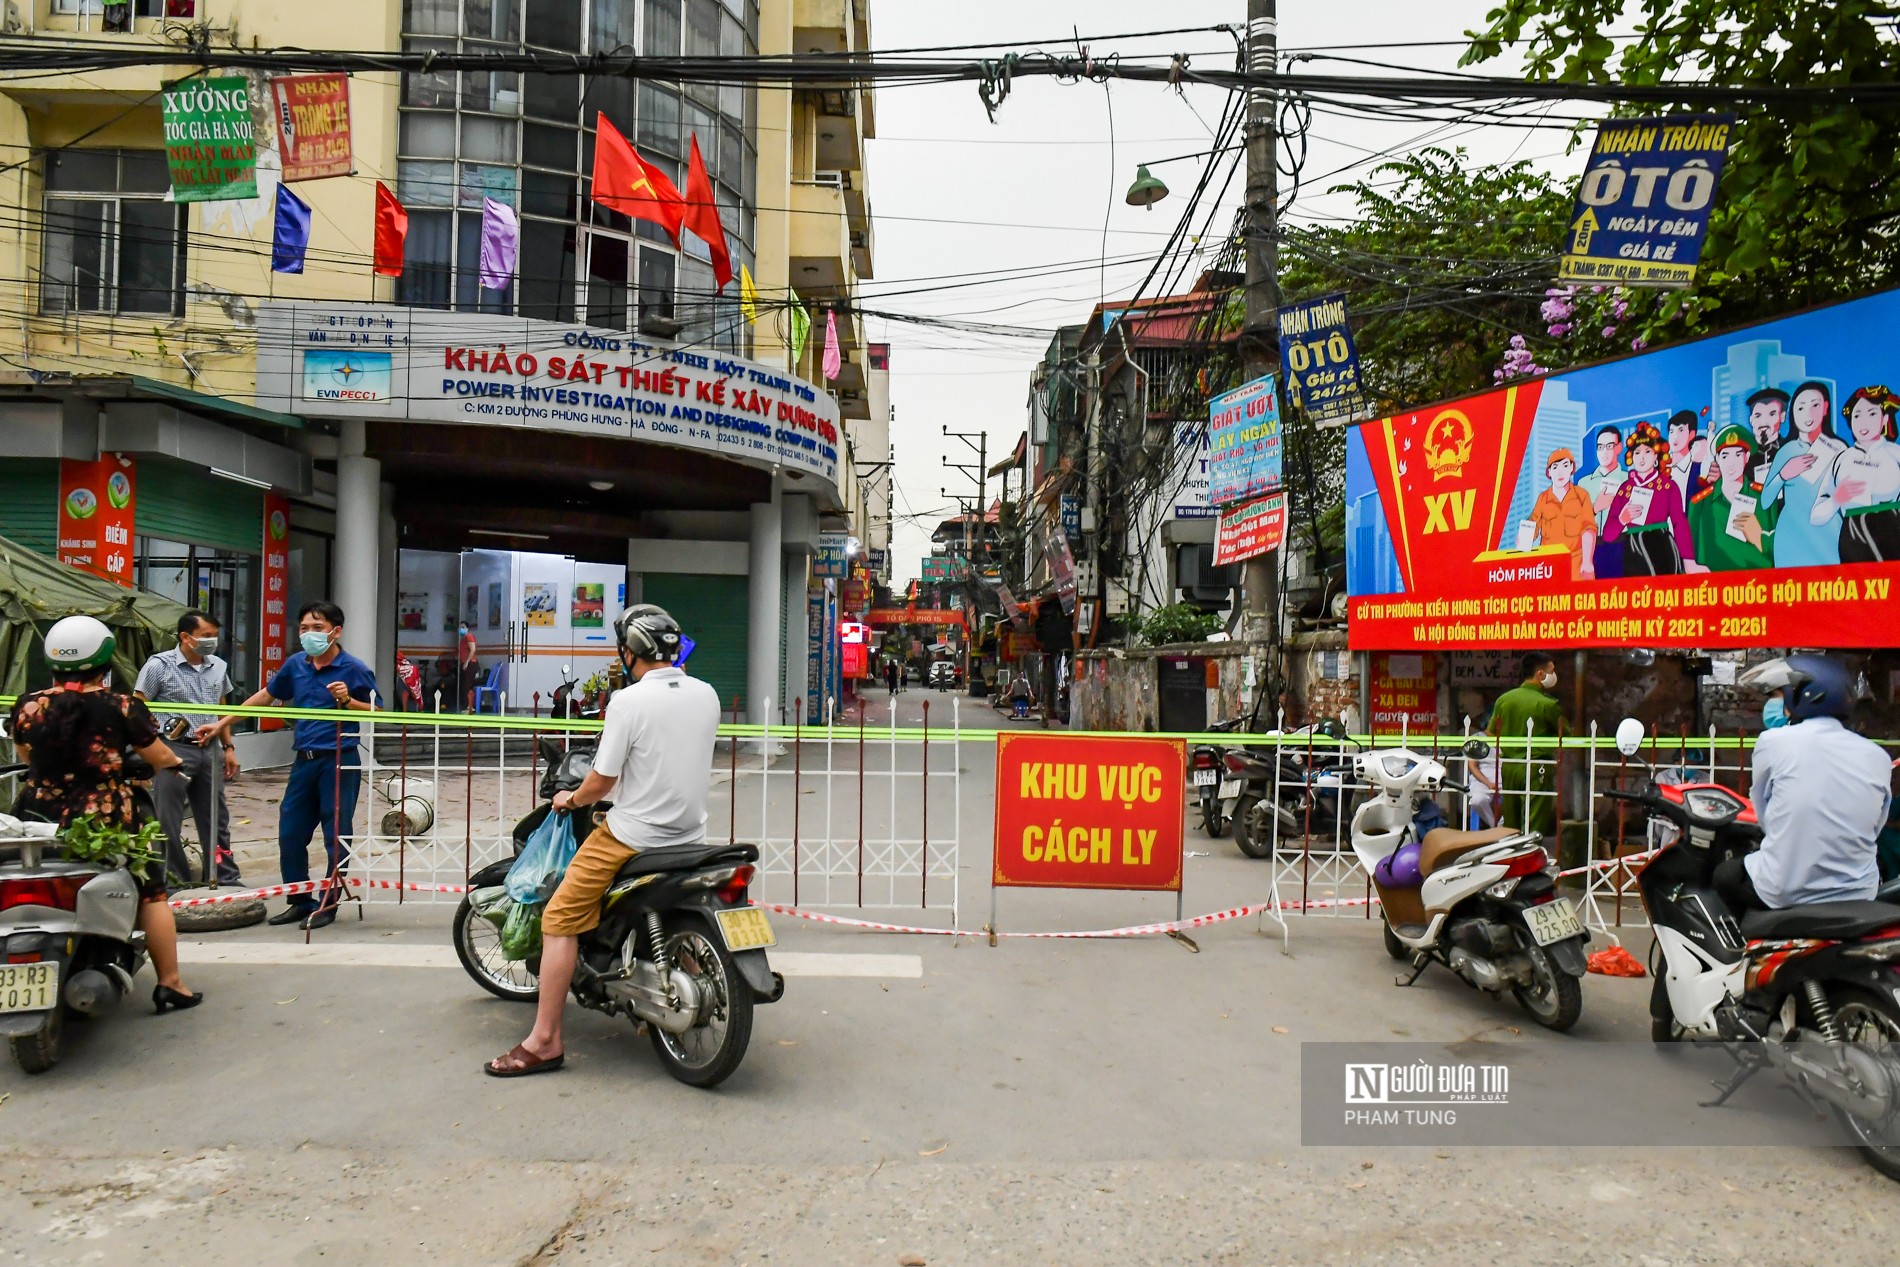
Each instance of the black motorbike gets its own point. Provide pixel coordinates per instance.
(1214, 787)
(1295, 789)
(1807, 991)
(680, 948)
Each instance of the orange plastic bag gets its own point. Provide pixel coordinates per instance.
(1616, 962)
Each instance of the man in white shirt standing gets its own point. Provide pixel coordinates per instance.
(190, 673)
(655, 761)
(1820, 792)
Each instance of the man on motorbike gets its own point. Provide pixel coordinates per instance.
(655, 759)
(1820, 791)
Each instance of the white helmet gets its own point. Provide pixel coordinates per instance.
(78, 643)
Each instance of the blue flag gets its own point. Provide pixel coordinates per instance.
(292, 234)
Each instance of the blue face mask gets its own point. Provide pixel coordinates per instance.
(314, 643)
(1774, 713)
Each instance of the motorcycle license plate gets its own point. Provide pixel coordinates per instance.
(746, 928)
(1206, 778)
(1553, 921)
(1229, 789)
(29, 987)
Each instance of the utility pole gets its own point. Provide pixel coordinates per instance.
(972, 524)
(1259, 342)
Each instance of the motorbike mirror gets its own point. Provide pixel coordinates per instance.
(566, 670)
(1629, 736)
(1477, 749)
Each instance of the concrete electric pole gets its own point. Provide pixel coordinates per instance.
(1259, 343)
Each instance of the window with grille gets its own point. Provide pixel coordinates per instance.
(110, 242)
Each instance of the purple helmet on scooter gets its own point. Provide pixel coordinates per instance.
(1399, 869)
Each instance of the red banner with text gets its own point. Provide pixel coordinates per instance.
(1089, 813)
(1738, 490)
(276, 641)
(96, 513)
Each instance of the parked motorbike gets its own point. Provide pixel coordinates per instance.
(69, 941)
(679, 948)
(1807, 991)
(565, 703)
(1216, 789)
(1289, 791)
(1482, 903)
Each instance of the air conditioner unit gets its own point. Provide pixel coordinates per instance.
(833, 178)
(860, 240)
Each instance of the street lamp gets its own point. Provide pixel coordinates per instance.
(1147, 190)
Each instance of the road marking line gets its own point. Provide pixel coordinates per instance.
(396, 955)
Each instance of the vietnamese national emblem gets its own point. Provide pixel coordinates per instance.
(1448, 442)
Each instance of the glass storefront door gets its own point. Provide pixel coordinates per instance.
(223, 583)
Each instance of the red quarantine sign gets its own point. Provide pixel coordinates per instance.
(1089, 813)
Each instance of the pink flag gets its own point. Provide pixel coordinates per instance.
(501, 244)
(834, 360)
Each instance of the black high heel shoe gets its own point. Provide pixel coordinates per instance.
(163, 996)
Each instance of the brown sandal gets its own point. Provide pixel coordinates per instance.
(519, 1062)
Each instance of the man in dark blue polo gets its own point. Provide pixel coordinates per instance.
(328, 770)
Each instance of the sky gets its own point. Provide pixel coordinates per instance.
(959, 203)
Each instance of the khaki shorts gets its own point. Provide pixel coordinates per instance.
(575, 907)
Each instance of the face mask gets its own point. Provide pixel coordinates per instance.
(314, 643)
(205, 646)
(1774, 713)
(1549, 681)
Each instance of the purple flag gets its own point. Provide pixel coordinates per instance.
(834, 359)
(501, 244)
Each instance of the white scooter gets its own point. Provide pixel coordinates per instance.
(1483, 903)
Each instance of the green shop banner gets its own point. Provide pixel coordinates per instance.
(209, 146)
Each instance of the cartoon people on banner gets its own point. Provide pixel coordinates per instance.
(1564, 516)
(1782, 489)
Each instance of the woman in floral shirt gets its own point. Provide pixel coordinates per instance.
(73, 737)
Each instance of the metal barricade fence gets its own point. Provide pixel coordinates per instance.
(843, 815)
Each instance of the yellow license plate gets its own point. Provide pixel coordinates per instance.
(28, 987)
(746, 928)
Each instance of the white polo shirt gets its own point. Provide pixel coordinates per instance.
(657, 743)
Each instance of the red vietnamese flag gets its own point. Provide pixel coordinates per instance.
(702, 215)
(392, 229)
(627, 183)
(1446, 476)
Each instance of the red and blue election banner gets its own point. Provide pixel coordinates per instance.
(1740, 490)
(1642, 208)
(1319, 360)
(1243, 443)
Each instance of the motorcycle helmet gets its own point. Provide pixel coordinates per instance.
(1811, 685)
(1399, 869)
(78, 644)
(648, 633)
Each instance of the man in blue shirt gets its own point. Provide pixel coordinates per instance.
(328, 770)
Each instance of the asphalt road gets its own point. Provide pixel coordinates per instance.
(942, 1101)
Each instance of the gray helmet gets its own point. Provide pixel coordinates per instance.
(78, 643)
(648, 633)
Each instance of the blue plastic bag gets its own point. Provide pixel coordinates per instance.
(543, 861)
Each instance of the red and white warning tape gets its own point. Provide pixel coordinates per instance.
(314, 886)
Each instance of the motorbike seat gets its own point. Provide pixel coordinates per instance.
(1444, 845)
(685, 858)
(1830, 921)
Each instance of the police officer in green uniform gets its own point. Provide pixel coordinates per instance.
(1530, 708)
(1727, 541)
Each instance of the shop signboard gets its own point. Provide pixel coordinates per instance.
(1319, 359)
(831, 559)
(1642, 208)
(1250, 529)
(210, 145)
(276, 623)
(1734, 491)
(313, 125)
(942, 567)
(1243, 443)
(1404, 694)
(342, 360)
(96, 511)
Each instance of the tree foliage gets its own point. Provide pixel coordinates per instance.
(1445, 263)
(1177, 622)
(1809, 196)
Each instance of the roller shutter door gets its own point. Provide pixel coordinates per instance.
(714, 612)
